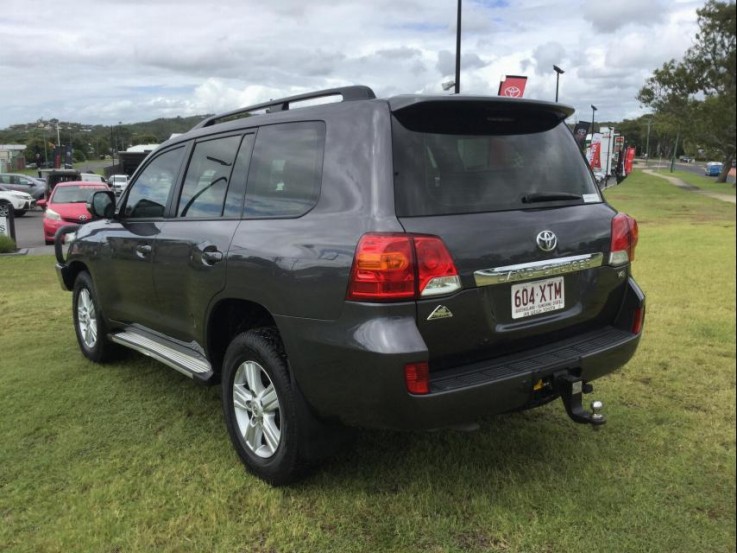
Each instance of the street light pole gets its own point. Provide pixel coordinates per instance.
(46, 151)
(558, 73)
(594, 109)
(458, 51)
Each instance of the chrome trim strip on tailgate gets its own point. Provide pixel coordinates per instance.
(537, 269)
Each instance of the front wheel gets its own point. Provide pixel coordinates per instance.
(89, 324)
(264, 412)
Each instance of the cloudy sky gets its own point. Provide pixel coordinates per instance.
(104, 61)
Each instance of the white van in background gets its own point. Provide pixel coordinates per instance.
(118, 183)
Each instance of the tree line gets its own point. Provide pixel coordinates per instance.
(91, 141)
(694, 99)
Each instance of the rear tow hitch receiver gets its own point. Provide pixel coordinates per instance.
(571, 389)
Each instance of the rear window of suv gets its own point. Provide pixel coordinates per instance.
(457, 158)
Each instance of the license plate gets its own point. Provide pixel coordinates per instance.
(534, 298)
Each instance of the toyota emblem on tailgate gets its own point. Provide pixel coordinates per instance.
(546, 241)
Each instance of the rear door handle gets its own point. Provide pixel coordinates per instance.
(143, 250)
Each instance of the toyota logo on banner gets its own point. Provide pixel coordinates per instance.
(513, 91)
(513, 86)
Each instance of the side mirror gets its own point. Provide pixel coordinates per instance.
(101, 205)
(41, 203)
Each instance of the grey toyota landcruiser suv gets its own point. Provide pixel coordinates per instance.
(415, 262)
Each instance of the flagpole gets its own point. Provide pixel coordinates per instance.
(458, 51)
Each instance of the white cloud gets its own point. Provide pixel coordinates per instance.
(133, 60)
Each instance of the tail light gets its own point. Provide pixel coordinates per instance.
(394, 267)
(417, 378)
(624, 240)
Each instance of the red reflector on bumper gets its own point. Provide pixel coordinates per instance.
(417, 377)
(638, 320)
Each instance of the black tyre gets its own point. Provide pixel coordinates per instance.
(265, 414)
(89, 324)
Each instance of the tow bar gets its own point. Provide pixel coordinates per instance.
(571, 389)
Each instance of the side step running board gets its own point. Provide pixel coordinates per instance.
(188, 364)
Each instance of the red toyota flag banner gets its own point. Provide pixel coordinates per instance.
(629, 160)
(512, 86)
(594, 152)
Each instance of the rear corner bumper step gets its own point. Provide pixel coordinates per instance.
(533, 363)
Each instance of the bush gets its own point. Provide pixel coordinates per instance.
(7, 244)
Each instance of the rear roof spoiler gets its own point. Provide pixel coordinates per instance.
(562, 111)
(348, 93)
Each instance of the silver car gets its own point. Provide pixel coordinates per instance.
(23, 183)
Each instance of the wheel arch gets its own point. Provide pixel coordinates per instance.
(229, 318)
(71, 272)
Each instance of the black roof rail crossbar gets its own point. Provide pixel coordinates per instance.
(349, 93)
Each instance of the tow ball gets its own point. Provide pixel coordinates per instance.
(571, 389)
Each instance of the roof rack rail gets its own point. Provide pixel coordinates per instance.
(349, 93)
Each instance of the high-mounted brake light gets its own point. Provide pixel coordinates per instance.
(391, 267)
(625, 234)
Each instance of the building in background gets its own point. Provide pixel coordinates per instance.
(12, 157)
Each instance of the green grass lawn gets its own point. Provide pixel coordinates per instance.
(132, 456)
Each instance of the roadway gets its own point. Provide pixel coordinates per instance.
(29, 230)
(696, 168)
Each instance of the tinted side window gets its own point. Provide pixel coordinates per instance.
(286, 170)
(208, 176)
(149, 193)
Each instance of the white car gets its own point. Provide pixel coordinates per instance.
(91, 177)
(20, 201)
(118, 183)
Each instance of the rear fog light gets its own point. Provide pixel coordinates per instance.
(417, 377)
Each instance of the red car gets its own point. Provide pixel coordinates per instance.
(68, 204)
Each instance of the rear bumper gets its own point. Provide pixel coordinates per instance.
(360, 380)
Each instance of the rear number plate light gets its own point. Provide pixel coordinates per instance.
(541, 296)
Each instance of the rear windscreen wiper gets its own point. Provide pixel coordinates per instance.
(549, 197)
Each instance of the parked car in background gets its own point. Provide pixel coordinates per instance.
(55, 176)
(68, 204)
(92, 177)
(713, 168)
(118, 183)
(21, 201)
(23, 183)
